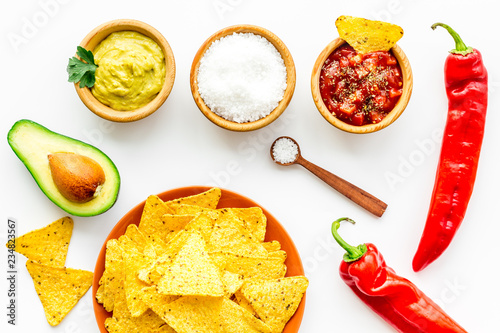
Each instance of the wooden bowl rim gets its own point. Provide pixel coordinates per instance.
(293, 261)
(99, 33)
(290, 80)
(389, 119)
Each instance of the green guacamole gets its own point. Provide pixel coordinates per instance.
(131, 70)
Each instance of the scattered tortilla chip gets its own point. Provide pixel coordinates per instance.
(367, 35)
(192, 272)
(236, 319)
(48, 245)
(230, 236)
(190, 314)
(207, 199)
(275, 301)
(58, 288)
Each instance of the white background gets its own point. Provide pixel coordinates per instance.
(177, 146)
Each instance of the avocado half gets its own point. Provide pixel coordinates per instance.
(32, 143)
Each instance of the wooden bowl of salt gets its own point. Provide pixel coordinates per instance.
(239, 81)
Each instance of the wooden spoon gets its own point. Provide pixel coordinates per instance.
(359, 196)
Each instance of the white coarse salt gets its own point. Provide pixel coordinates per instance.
(285, 150)
(242, 77)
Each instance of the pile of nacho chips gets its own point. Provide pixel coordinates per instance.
(190, 267)
(59, 288)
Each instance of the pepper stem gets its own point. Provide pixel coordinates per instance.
(460, 47)
(353, 252)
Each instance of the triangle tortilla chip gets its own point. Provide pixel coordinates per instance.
(190, 314)
(253, 219)
(207, 199)
(48, 245)
(139, 240)
(232, 282)
(58, 288)
(112, 279)
(244, 303)
(154, 299)
(230, 236)
(122, 321)
(159, 246)
(172, 248)
(280, 254)
(236, 319)
(204, 224)
(154, 208)
(133, 262)
(251, 267)
(192, 272)
(272, 246)
(153, 273)
(169, 225)
(275, 301)
(192, 209)
(367, 35)
(146, 248)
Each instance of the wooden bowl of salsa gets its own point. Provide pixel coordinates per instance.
(361, 93)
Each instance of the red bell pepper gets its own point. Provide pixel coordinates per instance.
(466, 81)
(398, 301)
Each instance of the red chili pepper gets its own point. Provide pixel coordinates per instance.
(466, 82)
(398, 301)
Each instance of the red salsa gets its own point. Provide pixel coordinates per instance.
(360, 89)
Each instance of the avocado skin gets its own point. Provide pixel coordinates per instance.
(29, 141)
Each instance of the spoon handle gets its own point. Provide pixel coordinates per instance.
(359, 196)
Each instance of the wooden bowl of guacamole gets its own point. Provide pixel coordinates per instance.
(135, 74)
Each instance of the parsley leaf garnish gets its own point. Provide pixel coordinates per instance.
(83, 72)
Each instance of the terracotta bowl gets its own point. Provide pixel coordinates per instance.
(100, 33)
(389, 119)
(275, 231)
(290, 80)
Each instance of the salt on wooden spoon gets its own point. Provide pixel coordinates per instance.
(286, 151)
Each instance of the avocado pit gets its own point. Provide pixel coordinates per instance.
(78, 178)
